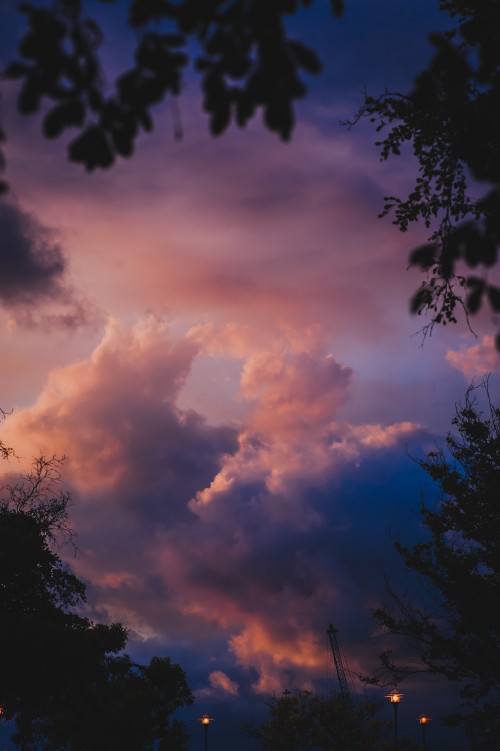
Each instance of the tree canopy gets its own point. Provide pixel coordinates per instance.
(65, 680)
(453, 629)
(304, 722)
(450, 120)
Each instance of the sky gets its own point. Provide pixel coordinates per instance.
(215, 334)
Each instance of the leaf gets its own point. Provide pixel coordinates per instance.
(474, 300)
(306, 57)
(96, 100)
(494, 297)
(279, 116)
(420, 300)
(423, 256)
(29, 96)
(174, 40)
(123, 139)
(220, 118)
(146, 121)
(337, 7)
(245, 107)
(63, 116)
(143, 11)
(14, 70)
(91, 149)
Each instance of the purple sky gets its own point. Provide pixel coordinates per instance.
(215, 333)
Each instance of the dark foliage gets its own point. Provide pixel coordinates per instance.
(128, 707)
(64, 679)
(455, 631)
(306, 722)
(451, 120)
(246, 62)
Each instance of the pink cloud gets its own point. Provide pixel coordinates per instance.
(292, 436)
(225, 529)
(220, 680)
(289, 241)
(116, 579)
(180, 508)
(273, 655)
(209, 529)
(382, 436)
(478, 360)
(90, 410)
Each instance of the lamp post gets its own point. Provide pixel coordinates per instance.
(395, 697)
(205, 721)
(423, 720)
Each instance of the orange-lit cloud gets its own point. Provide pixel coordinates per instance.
(207, 456)
(478, 360)
(220, 680)
(211, 529)
(277, 654)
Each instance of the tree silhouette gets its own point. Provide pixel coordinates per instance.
(450, 118)
(128, 708)
(64, 679)
(454, 631)
(246, 61)
(306, 722)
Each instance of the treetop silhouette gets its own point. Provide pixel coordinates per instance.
(65, 680)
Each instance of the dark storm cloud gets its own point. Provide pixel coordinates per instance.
(32, 262)
(33, 273)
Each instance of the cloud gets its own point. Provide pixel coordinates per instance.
(478, 360)
(134, 460)
(32, 262)
(292, 438)
(238, 537)
(238, 229)
(381, 436)
(221, 685)
(266, 560)
(33, 279)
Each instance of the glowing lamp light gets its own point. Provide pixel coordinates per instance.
(205, 720)
(395, 696)
(423, 720)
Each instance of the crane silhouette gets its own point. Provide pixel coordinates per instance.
(340, 664)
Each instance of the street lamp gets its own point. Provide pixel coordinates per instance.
(395, 697)
(205, 720)
(423, 720)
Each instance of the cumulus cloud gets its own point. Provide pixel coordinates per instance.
(33, 279)
(263, 565)
(114, 415)
(479, 360)
(234, 536)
